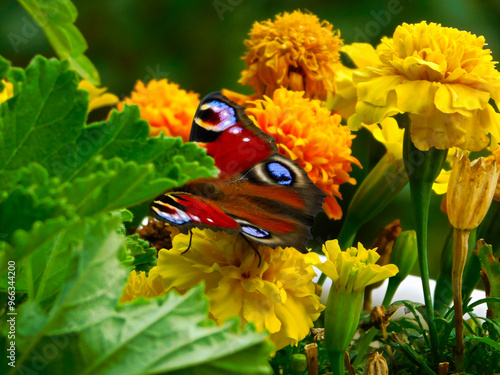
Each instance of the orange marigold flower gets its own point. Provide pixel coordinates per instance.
(140, 285)
(167, 108)
(310, 135)
(296, 51)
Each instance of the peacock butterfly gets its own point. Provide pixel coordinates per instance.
(259, 193)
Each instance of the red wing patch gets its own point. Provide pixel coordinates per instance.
(185, 209)
(230, 137)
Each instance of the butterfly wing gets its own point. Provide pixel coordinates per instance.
(259, 193)
(230, 137)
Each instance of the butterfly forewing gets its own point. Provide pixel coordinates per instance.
(261, 194)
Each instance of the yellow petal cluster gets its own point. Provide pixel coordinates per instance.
(295, 51)
(279, 295)
(98, 97)
(344, 100)
(309, 134)
(168, 108)
(390, 135)
(139, 285)
(7, 92)
(442, 77)
(352, 270)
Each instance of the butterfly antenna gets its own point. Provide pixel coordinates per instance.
(253, 247)
(189, 245)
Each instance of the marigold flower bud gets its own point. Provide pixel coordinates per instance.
(470, 191)
(377, 365)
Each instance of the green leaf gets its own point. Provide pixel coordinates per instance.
(125, 135)
(47, 113)
(139, 254)
(22, 208)
(4, 68)
(57, 18)
(97, 336)
(490, 267)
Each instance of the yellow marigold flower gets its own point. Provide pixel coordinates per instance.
(279, 295)
(295, 51)
(310, 135)
(168, 108)
(442, 77)
(7, 92)
(343, 101)
(140, 285)
(98, 97)
(352, 270)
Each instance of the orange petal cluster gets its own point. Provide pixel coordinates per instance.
(309, 134)
(295, 51)
(168, 108)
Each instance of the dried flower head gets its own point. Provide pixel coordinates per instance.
(470, 190)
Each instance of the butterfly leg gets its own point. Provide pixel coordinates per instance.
(190, 240)
(253, 247)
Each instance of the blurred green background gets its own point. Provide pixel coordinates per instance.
(199, 44)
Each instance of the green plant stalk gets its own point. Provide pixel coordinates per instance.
(337, 362)
(443, 294)
(421, 194)
(460, 249)
(422, 168)
(348, 232)
(342, 314)
(389, 295)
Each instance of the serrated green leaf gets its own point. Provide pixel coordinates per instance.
(168, 334)
(84, 67)
(23, 243)
(139, 254)
(57, 17)
(22, 208)
(47, 113)
(125, 135)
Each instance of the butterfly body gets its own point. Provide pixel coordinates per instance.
(259, 193)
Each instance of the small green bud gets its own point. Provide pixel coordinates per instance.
(378, 189)
(404, 254)
(298, 364)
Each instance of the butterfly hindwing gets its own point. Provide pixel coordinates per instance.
(263, 195)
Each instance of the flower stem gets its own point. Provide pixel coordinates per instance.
(337, 362)
(460, 249)
(422, 168)
(421, 194)
(348, 232)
